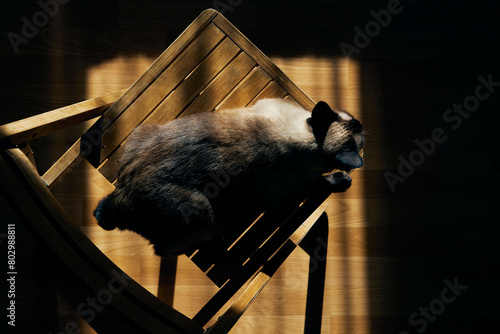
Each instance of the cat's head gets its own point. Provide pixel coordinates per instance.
(339, 136)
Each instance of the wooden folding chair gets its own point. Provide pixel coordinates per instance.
(210, 66)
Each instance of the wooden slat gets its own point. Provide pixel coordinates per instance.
(231, 316)
(262, 60)
(59, 168)
(301, 232)
(25, 130)
(290, 98)
(109, 168)
(221, 85)
(160, 88)
(248, 88)
(272, 90)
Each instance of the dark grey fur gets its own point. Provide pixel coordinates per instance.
(180, 183)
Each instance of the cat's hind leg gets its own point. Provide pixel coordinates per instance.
(188, 224)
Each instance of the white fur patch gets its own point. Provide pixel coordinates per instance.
(290, 120)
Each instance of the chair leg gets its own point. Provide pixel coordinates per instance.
(316, 244)
(166, 281)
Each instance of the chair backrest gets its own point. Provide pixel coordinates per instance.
(210, 66)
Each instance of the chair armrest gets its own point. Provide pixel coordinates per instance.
(40, 212)
(24, 130)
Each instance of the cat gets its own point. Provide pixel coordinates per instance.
(179, 184)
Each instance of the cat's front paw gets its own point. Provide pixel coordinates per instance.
(340, 181)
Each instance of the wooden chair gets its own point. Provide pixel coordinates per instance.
(210, 66)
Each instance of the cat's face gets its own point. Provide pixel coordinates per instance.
(339, 135)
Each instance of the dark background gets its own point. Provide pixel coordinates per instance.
(441, 220)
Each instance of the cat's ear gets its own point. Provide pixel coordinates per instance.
(322, 116)
(352, 159)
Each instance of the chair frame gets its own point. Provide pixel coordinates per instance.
(30, 195)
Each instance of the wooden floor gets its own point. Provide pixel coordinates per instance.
(391, 252)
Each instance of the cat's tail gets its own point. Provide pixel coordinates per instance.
(108, 213)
